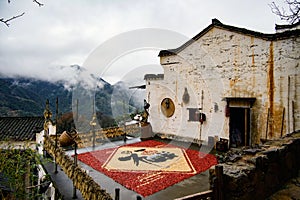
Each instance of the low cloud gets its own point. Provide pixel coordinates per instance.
(63, 33)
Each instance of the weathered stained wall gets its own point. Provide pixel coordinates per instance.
(224, 63)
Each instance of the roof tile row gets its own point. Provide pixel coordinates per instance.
(20, 128)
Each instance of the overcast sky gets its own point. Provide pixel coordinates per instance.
(47, 40)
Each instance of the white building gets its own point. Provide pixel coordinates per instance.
(237, 77)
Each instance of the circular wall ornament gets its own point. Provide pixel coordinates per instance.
(167, 107)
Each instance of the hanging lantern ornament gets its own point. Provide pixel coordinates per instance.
(202, 118)
(47, 115)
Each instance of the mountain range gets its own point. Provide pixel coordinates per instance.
(27, 97)
(20, 96)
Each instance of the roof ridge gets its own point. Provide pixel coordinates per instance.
(10, 117)
(284, 26)
(219, 24)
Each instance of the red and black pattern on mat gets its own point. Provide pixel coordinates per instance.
(147, 182)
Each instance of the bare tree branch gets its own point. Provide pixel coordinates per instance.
(6, 21)
(292, 16)
(38, 3)
(35, 1)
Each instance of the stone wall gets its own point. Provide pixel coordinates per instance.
(259, 176)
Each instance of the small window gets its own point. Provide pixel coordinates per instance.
(167, 107)
(194, 114)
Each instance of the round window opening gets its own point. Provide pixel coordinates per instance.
(167, 107)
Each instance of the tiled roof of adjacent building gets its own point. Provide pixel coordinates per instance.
(218, 24)
(20, 128)
(153, 76)
(287, 26)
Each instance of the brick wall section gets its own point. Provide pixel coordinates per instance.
(259, 176)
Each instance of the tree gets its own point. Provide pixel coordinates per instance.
(7, 21)
(292, 15)
(18, 169)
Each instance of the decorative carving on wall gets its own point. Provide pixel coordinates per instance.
(167, 107)
(186, 96)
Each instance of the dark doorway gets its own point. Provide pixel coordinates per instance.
(239, 127)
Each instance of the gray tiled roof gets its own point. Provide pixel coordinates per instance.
(20, 128)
